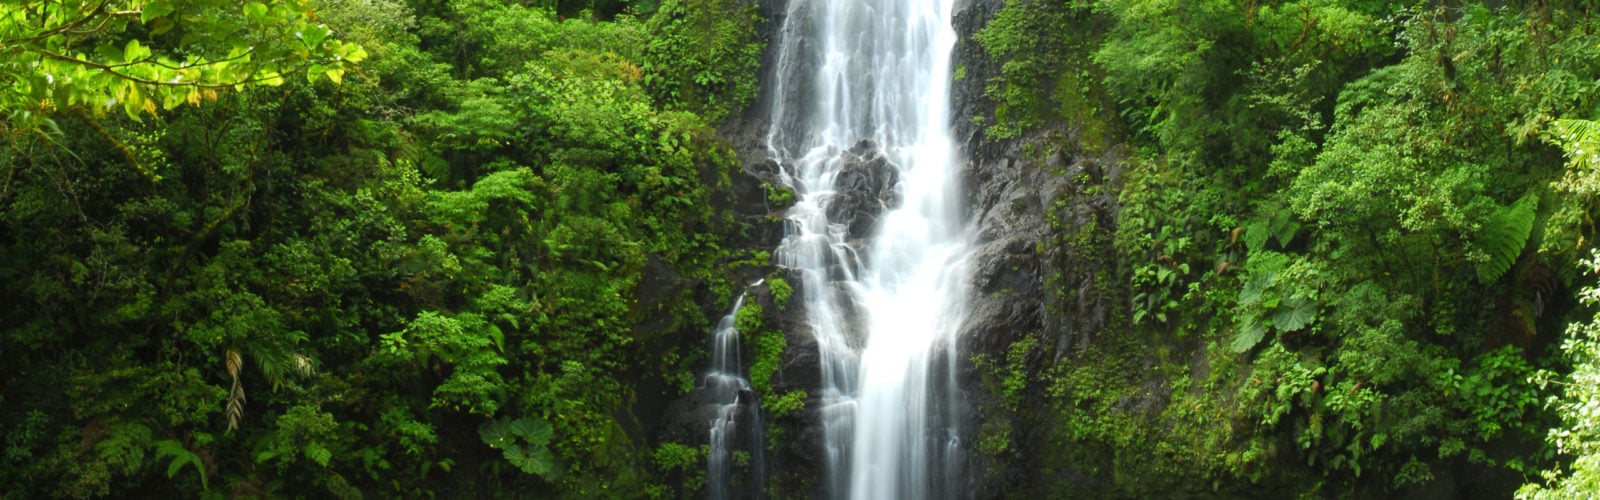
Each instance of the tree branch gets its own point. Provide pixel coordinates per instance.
(112, 69)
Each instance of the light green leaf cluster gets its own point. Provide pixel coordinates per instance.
(1579, 407)
(86, 53)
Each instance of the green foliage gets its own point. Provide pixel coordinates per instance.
(785, 405)
(180, 457)
(767, 346)
(1578, 437)
(467, 344)
(778, 196)
(702, 55)
(329, 279)
(524, 443)
(781, 291)
(1278, 293)
(1342, 233)
(1504, 235)
(685, 462)
(139, 55)
(1046, 73)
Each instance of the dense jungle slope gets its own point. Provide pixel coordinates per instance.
(474, 248)
(1282, 248)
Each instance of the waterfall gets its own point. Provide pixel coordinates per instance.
(728, 388)
(877, 238)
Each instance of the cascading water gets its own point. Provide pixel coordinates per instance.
(877, 238)
(728, 388)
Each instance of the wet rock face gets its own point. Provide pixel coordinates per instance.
(864, 189)
(689, 418)
(748, 130)
(798, 463)
(1028, 279)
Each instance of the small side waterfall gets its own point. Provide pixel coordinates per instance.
(728, 387)
(877, 240)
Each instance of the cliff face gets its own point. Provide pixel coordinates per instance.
(1039, 210)
(1043, 211)
(791, 461)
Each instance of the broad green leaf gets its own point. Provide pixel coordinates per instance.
(108, 52)
(352, 52)
(256, 10)
(154, 10)
(535, 460)
(496, 434)
(1294, 314)
(1285, 233)
(1250, 333)
(533, 430)
(1257, 283)
(313, 35)
(134, 51)
(161, 25)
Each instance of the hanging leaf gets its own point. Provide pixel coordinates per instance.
(498, 337)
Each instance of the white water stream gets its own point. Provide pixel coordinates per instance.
(728, 387)
(884, 307)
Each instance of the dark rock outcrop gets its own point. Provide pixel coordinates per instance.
(864, 188)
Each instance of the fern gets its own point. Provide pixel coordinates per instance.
(1504, 235)
(180, 457)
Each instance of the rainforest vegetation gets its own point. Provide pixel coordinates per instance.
(1351, 233)
(409, 248)
(347, 248)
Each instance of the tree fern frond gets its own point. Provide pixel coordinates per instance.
(1504, 235)
(180, 457)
